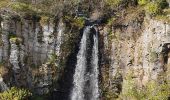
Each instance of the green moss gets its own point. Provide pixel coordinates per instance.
(15, 94)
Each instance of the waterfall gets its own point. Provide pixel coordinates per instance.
(79, 80)
(3, 86)
(82, 76)
(95, 71)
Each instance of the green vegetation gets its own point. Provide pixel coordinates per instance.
(143, 2)
(15, 94)
(21, 7)
(52, 58)
(44, 20)
(152, 90)
(162, 3)
(75, 22)
(110, 21)
(113, 2)
(153, 8)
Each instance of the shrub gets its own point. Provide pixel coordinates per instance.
(162, 3)
(22, 7)
(151, 91)
(44, 20)
(143, 2)
(79, 22)
(76, 22)
(155, 91)
(153, 8)
(113, 2)
(15, 94)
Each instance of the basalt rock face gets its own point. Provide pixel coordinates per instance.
(141, 47)
(29, 51)
(42, 57)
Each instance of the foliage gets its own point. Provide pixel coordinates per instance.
(143, 2)
(22, 7)
(110, 21)
(164, 16)
(79, 22)
(151, 91)
(113, 2)
(153, 8)
(162, 3)
(75, 22)
(52, 58)
(44, 20)
(15, 94)
(156, 91)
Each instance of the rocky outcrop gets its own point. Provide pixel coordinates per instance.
(29, 49)
(143, 48)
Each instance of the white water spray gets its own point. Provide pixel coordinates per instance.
(79, 80)
(95, 71)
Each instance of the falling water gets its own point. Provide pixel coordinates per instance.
(83, 76)
(79, 80)
(3, 86)
(95, 71)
